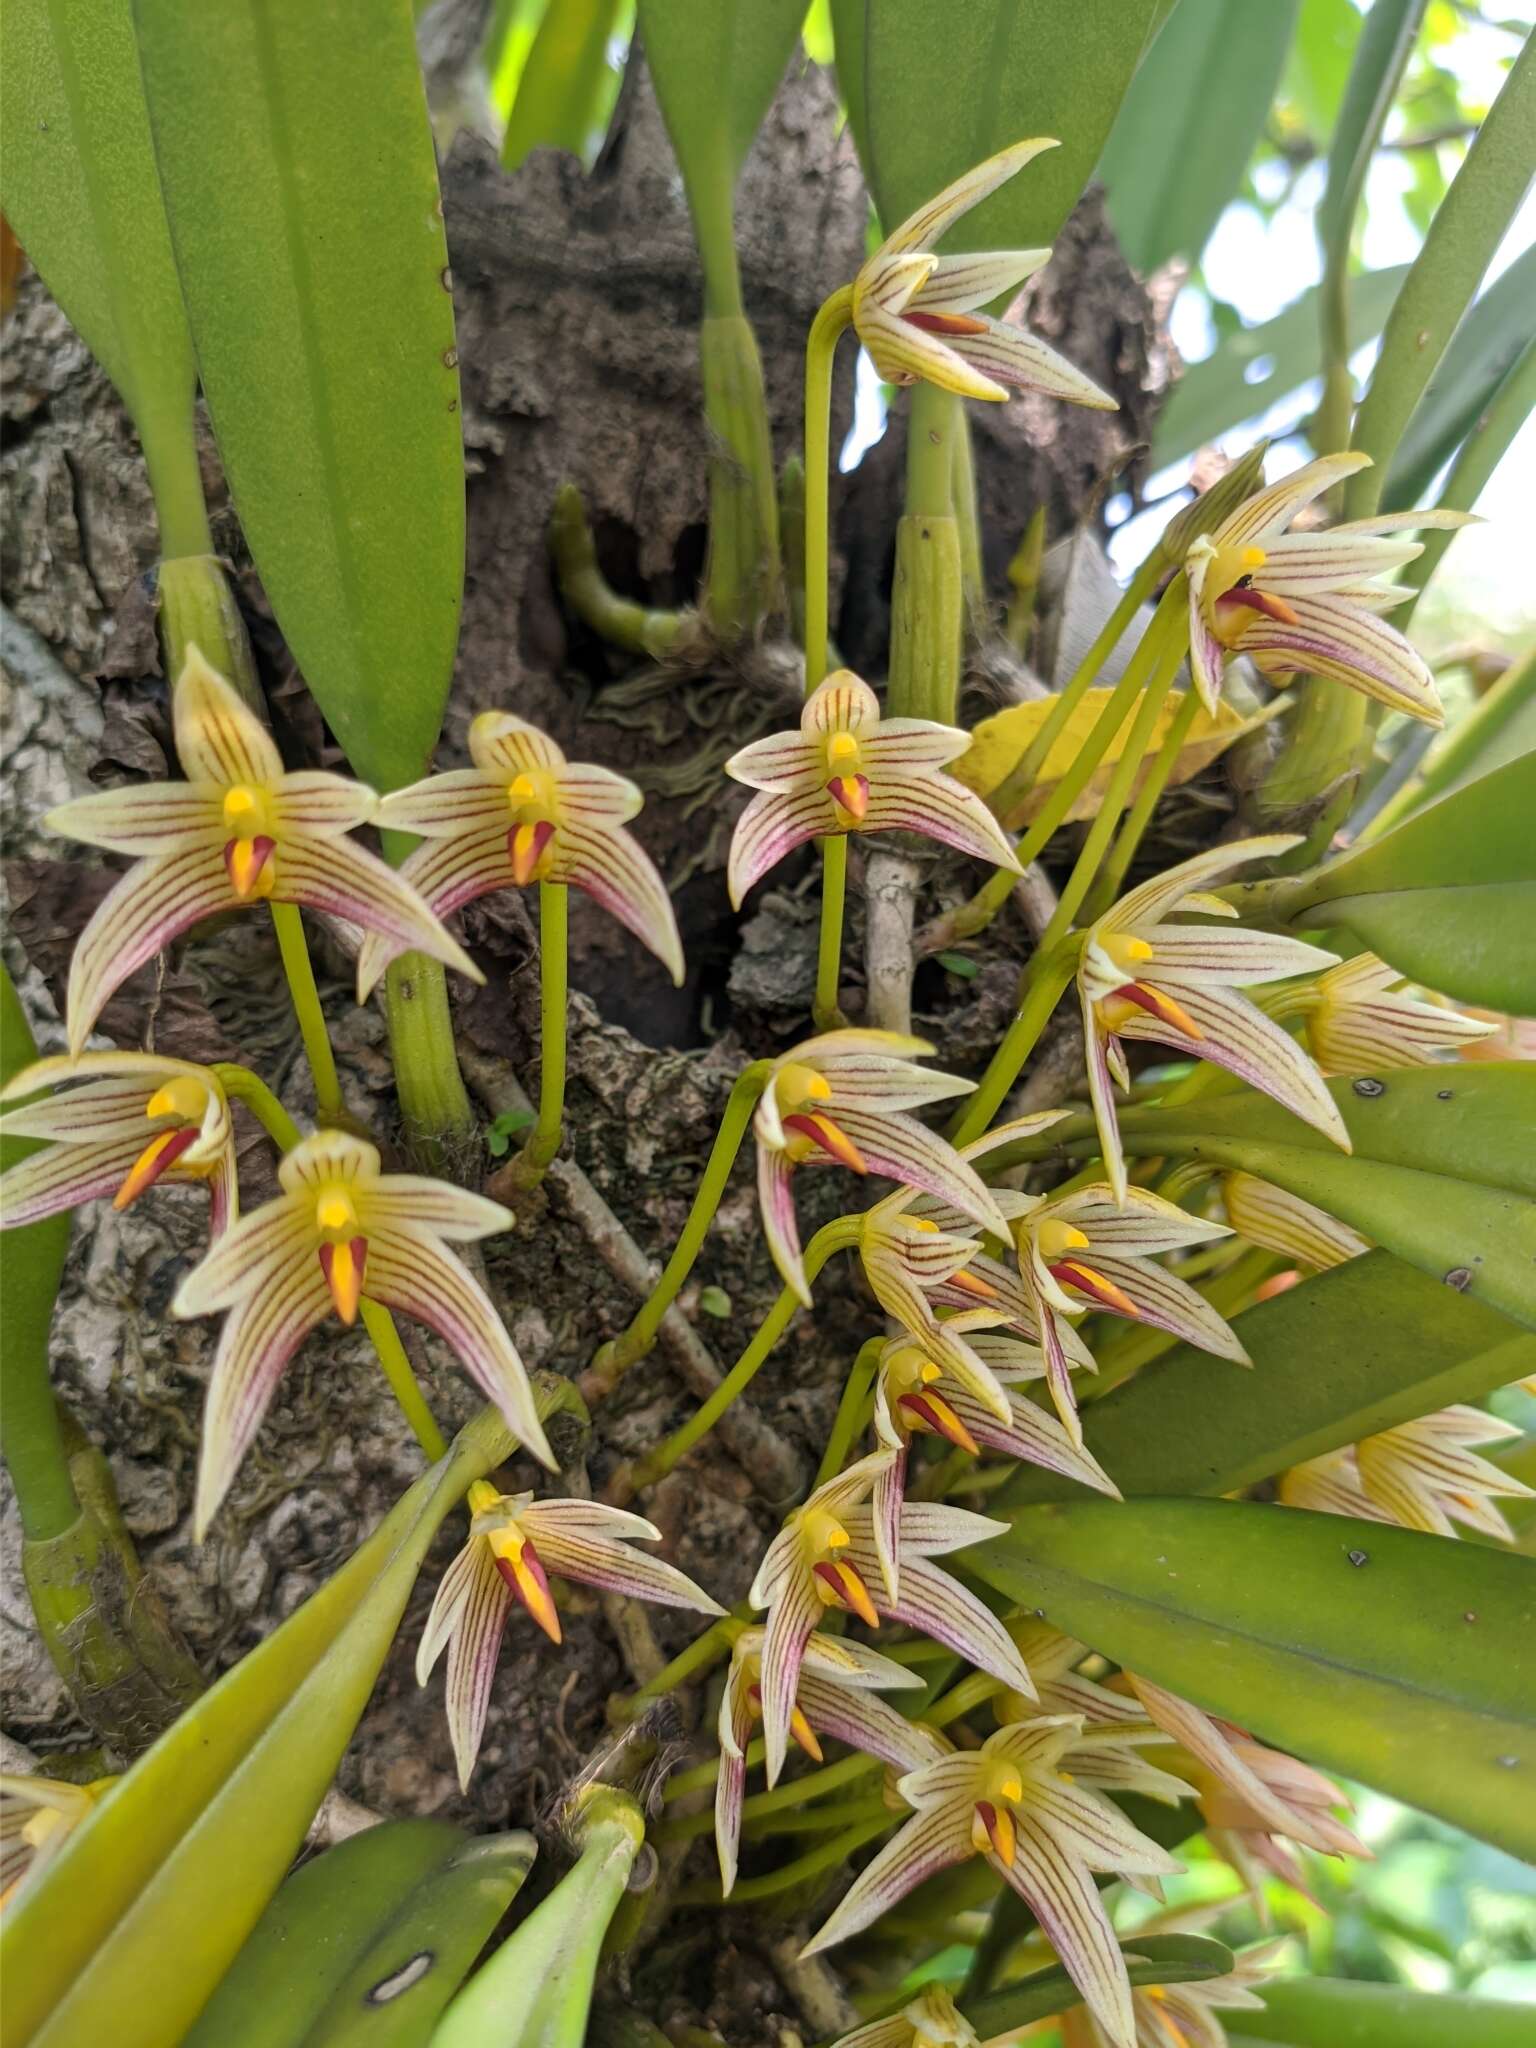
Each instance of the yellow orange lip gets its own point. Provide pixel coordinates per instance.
(343, 1266)
(1158, 1003)
(1073, 1273)
(246, 861)
(525, 849)
(932, 1412)
(851, 794)
(158, 1157)
(972, 1283)
(997, 1830)
(847, 1589)
(525, 1574)
(947, 323)
(826, 1134)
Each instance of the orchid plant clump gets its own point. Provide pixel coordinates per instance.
(1153, 1321)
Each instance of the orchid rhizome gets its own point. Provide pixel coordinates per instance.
(767, 1136)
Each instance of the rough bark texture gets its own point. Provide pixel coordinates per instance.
(577, 301)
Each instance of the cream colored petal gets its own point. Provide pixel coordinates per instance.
(218, 739)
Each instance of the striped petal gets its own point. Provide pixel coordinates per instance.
(1170, 1304)
(936, 1530)
(217, 738)
(1118, 1768)
(1299, 563)
(1208, 956)
(145, 818)
(924, 227)
(597, 797)
(1202, 1737)
(248, 1257)
(1094, 1832)
(1239, 1037)
(65, 1177)
(338, 877)
(939, 1607)
(445, 874)
(1146, 1225)
(1036, 1437)
(1147, 905)
(904, 354)
(1097, 1043)
(1207, 655)
(865, 1722)
(1020, 361)
(1064, 1899)
(1269, 511)
(770, 828)
(154, 903)
(873, 1080)
(437, 1205)
(1284, 1223)
(791, 1619)
(911, 746)
(410, 1271)
(903, 1265)
(1334, 638)
(112, 1106)
(844, 1661)
(261, 1333)
(473, 1648)
(938, 807)
(448, 806)
(904, 1150)
(843, 702)
(958, 284)
(611, 867)
(930, 1842)
(782, 761)
(320, 804)
(507, 747)
(730, 1792)
(776, 1204)
(614, 1567)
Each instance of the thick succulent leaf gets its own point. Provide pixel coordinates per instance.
(364, 1946)
(1151, 1959)
(83, 194)
(1448, 896)
(1224, 389)
(1359, 1349)
(135, 1921)
(933, 89)
(1186, 128)
(1326, 2012)
(313, 263)
(1395, 1658)
(536, 1989)
(716, 65)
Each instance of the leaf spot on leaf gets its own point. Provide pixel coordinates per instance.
(1369, 1087)
(400, 1980)
(1459, 1277)
(1444, 1094)
(1358, 1557)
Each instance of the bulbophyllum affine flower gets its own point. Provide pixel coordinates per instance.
(835, 1695)
(134, 1119)
(37, 1817)
(1011, 1803)
(525, 814)
(342, 1232)
(515, 1542)
(1282, 1222)
(849, 770)
(1421, 1475)
(1357, 1019)
(832, 1552)
(931, 2020)
(1309, 601)
(239, 830)
(915, 312)
(841, 1097)
(1180, 2015)
(1142, 976)
(1107, 1755)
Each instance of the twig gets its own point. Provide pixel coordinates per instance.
(890, 901)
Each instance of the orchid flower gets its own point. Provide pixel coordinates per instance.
(1309, 601)
(1358, 1021)
(525, 814)
(134, 1119)
(931, 2020)
(1142, 976)
(515, 1542)
(1284, 1223)
(1181, 2015)
(1421, 1475)
(239, 830)
(840, 1097)
(834, 1552)
(849, 770)
(915, 311)
(1107, 1755)
(37, 1817)
(341, 1232)
(918, 1390)
(1010, 1802)
(834, 1696)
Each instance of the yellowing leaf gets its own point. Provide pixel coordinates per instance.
(998, 744)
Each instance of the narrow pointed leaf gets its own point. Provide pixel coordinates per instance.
(1399, 1659)
(195, 1839)
(566, 84)
(311, 255)
(364, 1946)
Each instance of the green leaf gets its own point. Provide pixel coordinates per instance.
(1257, 367)
(1449, 896)
(1362, 1348)
(1187, 126)
(1322, 2012)
(301, 189)
(536, 1989)
(81, 190)
(364, 1946)
(1381, 51)
(1399, 1659)
(130, 1928)
(1484, 349)
(566, 81)
(1149, 1959)
(1320, 61)
(1466, 231)
(933, 88)
(1499, 728)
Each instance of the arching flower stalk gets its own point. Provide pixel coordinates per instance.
(1421, 1475)
(841, 1098)
(1309, 601)
(1141, 976)
(515, 1543)
(240, 830)
(1011, 1803)
(1359, 1019)
(343, 1232)
(133, 1120)
(835, 1695)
